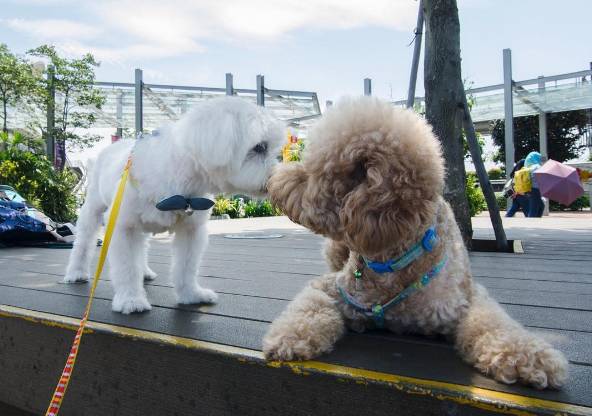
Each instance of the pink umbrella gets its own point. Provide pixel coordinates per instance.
(559, 182)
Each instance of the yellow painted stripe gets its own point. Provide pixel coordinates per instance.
(482, 398)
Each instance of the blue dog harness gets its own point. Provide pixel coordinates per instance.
(425, 245)
(377, 310)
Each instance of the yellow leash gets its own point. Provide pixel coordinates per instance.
(60, 391)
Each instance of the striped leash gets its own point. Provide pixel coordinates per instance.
(60, 391)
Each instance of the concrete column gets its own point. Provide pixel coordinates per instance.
(367, 86)
(508, 111)
(138, 102)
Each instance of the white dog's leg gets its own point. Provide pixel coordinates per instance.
(149, 274)
(189, 244)
(88, 224)
(310, 326)
(126, 261)
(500, 347)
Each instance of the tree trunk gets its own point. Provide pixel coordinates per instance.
(444, 101)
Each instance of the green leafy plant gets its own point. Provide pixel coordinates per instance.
(261, 209)
(33, 176)
(474, 195)
(578, 205)
(495, 173)
(502, 202)
(222, 206)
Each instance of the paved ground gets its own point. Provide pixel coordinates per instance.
(548, 289)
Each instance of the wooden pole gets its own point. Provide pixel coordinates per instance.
(416, 53)
(494, 214)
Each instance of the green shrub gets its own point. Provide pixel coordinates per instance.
(474, 195)
(34, 177)
(502, 202)
(495, 173)
(579, 204)
(261, 209)
(222, 206)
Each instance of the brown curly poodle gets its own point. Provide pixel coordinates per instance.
(372, 182)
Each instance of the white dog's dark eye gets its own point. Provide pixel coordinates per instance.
(260, 148)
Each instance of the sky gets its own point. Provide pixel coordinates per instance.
(326, 46)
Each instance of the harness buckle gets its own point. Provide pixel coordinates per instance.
(429, 240)
(379, 267)
(378, 315)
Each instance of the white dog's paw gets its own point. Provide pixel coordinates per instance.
(75, 277)
(149, 274)
(286, 347)
(535, 366)
(201, 295)
(128, 304)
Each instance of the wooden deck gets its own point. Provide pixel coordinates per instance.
(207, 360)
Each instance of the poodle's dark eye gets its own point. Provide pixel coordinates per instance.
(260, 148)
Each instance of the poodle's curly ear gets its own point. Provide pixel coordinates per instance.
(305, 200)
(393, 203)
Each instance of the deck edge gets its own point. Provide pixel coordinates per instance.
(481, 398)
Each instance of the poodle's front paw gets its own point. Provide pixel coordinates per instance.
(127, 304)
(201, 295)
(286, 347)
(149, 274)
(538, 367)
(75, 277)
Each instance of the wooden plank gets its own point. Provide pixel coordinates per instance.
(548, 288)
(206, 327)
(559, 266)
(533, 297)
(502, 273)
(544, 317)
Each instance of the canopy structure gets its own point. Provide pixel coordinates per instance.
(144, 107)
(538, 96)
(566, 92)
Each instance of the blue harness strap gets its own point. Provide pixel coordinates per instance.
(425, 245)
(376, 311)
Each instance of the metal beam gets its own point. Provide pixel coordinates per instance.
(119, 113)
(367, 86)
(229, 86)
(416, 53)
(508, 111)
(50, 139)
(543, 140)
(261, 90)
(139, 108)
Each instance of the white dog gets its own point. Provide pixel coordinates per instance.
(225, 145)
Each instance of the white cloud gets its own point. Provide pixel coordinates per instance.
(53, 29)
(127, 30)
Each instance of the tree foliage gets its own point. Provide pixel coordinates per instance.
(563, 133)
(73, 83)
(16, 81)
